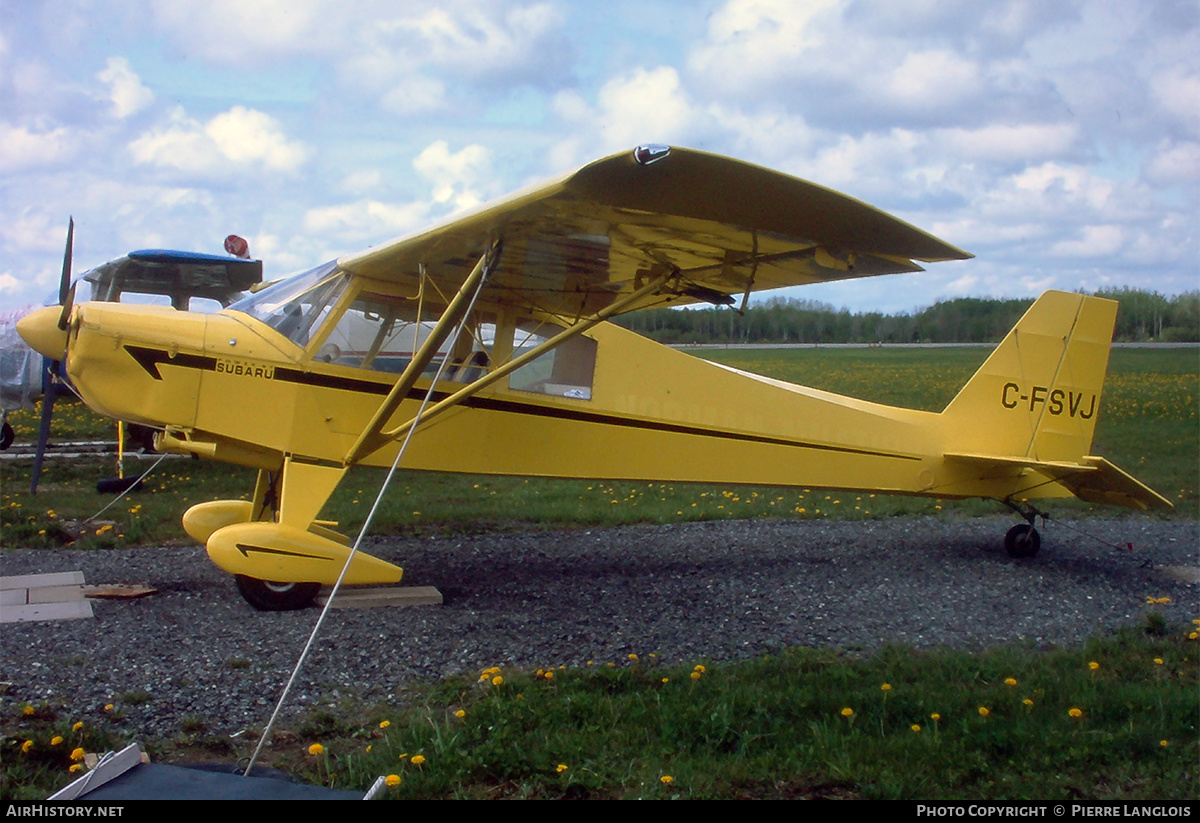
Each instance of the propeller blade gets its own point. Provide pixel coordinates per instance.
(50, 368)
(65, 282)
(49, 389)
(64, 318)
(66, 289)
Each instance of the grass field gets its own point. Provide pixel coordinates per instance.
(1116, 719)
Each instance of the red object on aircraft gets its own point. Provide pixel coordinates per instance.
(237, 246)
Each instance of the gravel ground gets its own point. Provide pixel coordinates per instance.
(697, 591)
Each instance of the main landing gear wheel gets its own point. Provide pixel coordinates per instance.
(267, 596)
(1022, 541)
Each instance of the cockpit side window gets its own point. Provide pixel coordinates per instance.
(565, 371)
(377, 332)
(383, 332)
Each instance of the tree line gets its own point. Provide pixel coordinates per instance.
(1142, 316)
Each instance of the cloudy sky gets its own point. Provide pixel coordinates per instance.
(1057, 140)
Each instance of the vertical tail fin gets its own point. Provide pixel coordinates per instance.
(1038, 394)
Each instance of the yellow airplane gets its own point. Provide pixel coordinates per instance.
(481, 346)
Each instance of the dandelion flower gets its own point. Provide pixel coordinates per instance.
(26, 747)
(76, 767)
(1163, 743)
(392, 780)
(384, 724)
(54, 741)
(666, 680)
(1010, 681)
(887, 687)
(694, 675)
(1093, 665)
(28, 710)
(633, 658)
(497, 681)
(316, 749)
(108, 707)
(1027, 702)
(915, 727)
(77, 726)
(418, 759)
(77, 754)
(847, 712)
(984, 711)
(560, 768)
(1075, 712)
(549, 675)
(1158, 661)
(666, 780)
(460, 714)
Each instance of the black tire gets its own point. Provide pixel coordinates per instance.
(267, 596)
(1022, 541)
(7, 435)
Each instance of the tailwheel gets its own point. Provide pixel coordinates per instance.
(268, 596)
(1022, 541)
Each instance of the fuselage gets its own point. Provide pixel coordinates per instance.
(230, 387)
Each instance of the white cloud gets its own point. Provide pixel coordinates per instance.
(362, 180)
(645, 106)
(874, 163)
(1178, 92)
(126, 91)
(414, 94)
(364, 220)
(248, 136)
(484, 41)
(241, 33)
(931, 79)
(1092, 241)
(403, 53)
(752, 45)
(1004, 142)
(1171, 164)
(22, 149)
(1056, 186)
(454, 176)
(240, 136)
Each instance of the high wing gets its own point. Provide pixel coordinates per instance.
(578, 243)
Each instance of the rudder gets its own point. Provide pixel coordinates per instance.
(1038, 395)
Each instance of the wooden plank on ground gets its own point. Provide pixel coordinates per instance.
(14, 597)
(119, 591)
(73, 610)
(29, 581)
(55, 594)
(374, 598)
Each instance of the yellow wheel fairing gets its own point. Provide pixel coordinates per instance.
(271, 551)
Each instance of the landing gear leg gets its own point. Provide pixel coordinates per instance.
(1023, 540)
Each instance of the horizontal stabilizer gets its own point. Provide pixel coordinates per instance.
(1095, 480)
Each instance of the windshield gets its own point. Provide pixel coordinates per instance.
(295, 307)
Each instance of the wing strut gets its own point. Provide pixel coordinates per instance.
(374, 437)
